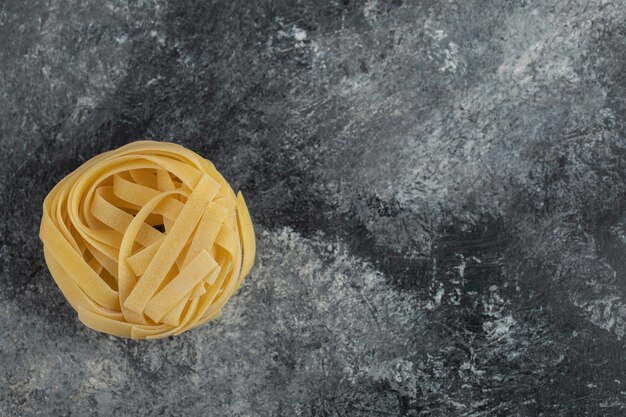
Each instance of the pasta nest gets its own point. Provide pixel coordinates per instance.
(147, 240)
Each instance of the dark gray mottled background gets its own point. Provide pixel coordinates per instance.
(438, 188)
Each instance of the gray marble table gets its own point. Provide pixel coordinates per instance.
(438, 189)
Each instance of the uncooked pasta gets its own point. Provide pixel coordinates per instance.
(146, 241)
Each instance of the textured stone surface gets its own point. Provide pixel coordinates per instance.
(439, 191)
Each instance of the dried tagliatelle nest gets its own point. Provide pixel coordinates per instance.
(146, 241)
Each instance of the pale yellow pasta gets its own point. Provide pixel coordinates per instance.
(146, 241)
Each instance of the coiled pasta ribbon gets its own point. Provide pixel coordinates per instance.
(147, 240)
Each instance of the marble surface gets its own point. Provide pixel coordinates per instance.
(438, 188)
